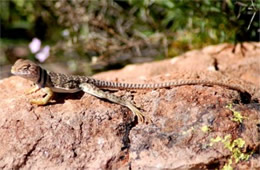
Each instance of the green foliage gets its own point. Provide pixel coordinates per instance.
(110, 30)
(18, 13)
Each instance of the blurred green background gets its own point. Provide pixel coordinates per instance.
(88, 36)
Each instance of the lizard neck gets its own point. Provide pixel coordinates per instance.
(42, 77)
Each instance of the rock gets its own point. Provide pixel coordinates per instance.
(194, 127)
(211, 58)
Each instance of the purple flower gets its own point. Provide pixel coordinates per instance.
(35, 45)
(65, 33)
(43, 54)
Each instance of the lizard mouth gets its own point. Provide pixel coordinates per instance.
(14, 72)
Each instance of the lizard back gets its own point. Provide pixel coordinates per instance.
(62, 83)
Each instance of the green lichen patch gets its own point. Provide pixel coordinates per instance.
(188, 131)
(205, 129)
(237, 117)
(228, 166)
(235, 147)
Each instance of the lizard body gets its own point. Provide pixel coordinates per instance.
(60, 83)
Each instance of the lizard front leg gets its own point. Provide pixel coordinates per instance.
(46, 99)
(33, 89)
(93, 90)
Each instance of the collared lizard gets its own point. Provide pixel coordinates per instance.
(51, 82)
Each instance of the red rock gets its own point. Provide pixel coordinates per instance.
(78, 131)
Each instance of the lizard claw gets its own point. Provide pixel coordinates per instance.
(32, 90)
(140, 116)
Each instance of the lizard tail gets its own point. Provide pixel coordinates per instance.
(117, 85)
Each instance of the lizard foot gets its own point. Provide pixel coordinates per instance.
(140, 116)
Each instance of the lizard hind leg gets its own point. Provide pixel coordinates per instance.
(93, 90)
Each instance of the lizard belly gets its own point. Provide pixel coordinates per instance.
(63, 90)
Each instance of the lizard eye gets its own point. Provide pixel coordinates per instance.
(26, 67)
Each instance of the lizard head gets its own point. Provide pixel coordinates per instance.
(26, 69)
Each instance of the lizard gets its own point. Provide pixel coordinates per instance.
(51, 82)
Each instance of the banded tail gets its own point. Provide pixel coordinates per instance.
(117, 85)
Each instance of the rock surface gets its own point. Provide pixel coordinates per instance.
(194, 127)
